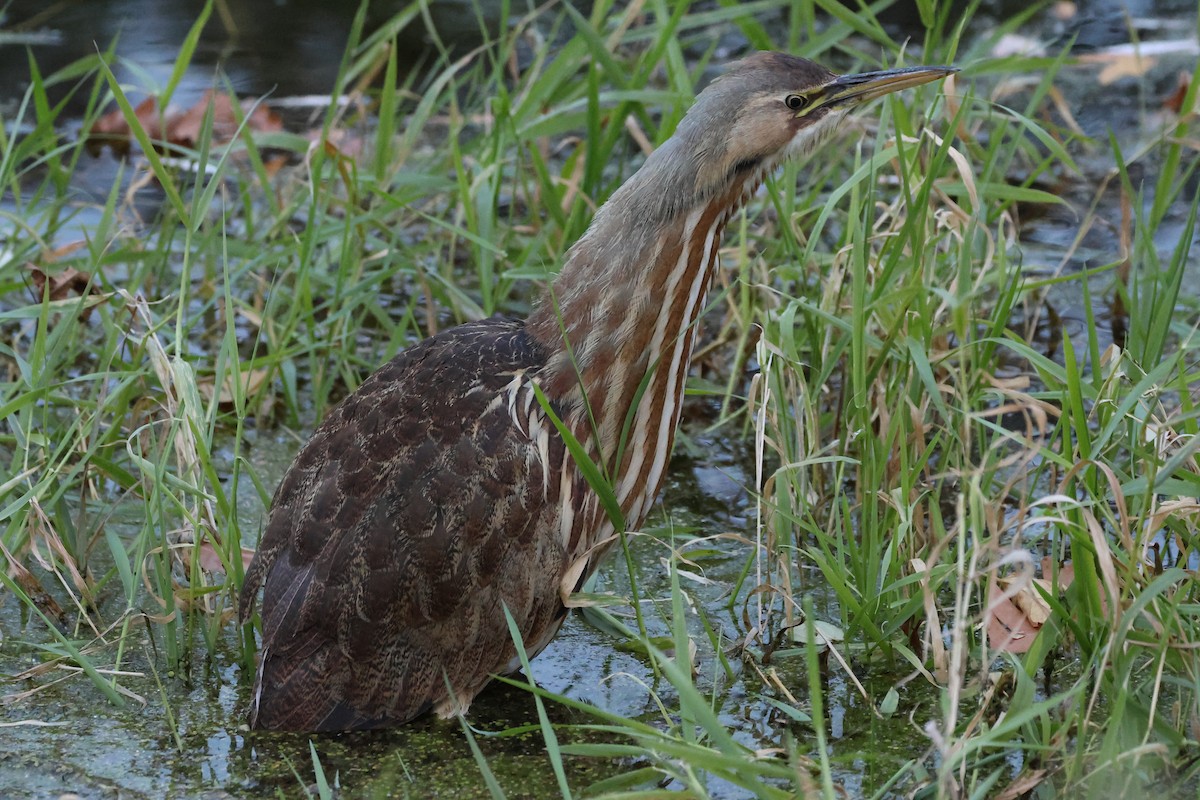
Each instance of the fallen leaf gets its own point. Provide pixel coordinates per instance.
(1015, 614)
(1130, 65)
(62, 284)
(824, 633)
(1025, 783)
(252, 382)
(891, 701)
(1008, 629)
(185, 129)
(340, 143)
(210, 561)
(1029, 600)
(1066, 573)
(114, 130)
(62, 251)
(1066, 577)
(1133, 60)
(1174, 101)
(32, 587)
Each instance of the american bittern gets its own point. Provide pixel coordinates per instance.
(440, 492)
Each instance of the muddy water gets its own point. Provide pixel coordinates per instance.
(66, 740)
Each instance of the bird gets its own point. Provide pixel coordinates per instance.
(443, 493)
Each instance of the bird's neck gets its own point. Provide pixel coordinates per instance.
(620, 323)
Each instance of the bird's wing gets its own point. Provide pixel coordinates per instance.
(401, 531)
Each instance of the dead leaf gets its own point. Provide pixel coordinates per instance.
(252, 382)
(33, 587)
(1174, 101)
(1018, 609)
(114, 130)
(185, 129)
(62, 251)
(340, 143)
(1066, 573)
(1120, 61)
(62, 284)
(1025, 783)
(1028, 599)
(210, 560)
(1126, 66)
(1009, 630)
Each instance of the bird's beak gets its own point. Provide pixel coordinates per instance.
(851, 90)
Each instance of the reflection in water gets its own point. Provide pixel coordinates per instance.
(302, 54)
(281, 47)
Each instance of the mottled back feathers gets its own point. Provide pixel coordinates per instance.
(396, 536)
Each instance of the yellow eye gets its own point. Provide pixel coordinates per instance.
(796, 101)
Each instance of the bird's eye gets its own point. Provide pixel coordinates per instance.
(796, 101)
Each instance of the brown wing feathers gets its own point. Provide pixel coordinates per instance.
(397, 537)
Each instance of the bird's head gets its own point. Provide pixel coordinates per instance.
(772, 106)
(766, 108)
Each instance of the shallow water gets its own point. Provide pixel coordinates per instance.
(68, 740)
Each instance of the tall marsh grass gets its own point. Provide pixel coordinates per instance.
(924, 454)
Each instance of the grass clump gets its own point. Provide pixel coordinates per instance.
(929, 446)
